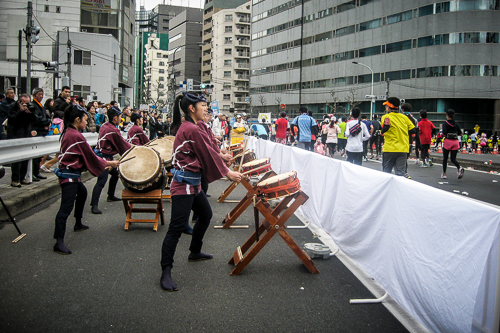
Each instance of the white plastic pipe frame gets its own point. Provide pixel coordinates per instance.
(17, 150)
(434, 252)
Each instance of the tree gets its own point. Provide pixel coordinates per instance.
(279, 101)
(155, 94)
(263, 102)
(335, 104)
(351, 99)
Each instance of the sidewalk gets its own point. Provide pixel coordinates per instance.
(476, 161)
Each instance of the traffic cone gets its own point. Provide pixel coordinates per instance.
(495, 150)
(464, 150)
(440, 148)
(478, 150)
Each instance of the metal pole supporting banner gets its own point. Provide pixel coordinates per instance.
(29, 25)
(19, 62)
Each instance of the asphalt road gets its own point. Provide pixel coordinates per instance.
(111, 281)
(479, 185)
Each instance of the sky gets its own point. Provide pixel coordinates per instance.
(150, 4)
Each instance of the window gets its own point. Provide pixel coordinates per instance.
(227, 51)
(161, 63)
(344, 55)
(82, 57)
(131, 60)
(228, 40)
(345, 31)
(228, 28)
(370, 24)
(227, 73)
(58, 9)
(227, 97)
(323, 60)
(158, 54)
(114, 61)
(161, 86)
(174, 38)
(369, 51)
(346, 6)
(161, 78)
(81, 91)
(399, 17)
(227, 62)
(228, 18)
(398, 46)
(47, 8)
(226, 85)
(161, 71)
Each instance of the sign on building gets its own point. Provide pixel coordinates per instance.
(266, 116)
(189, 84)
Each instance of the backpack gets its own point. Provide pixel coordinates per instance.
(356, 129)
(54, 129)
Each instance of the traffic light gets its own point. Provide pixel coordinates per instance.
(283, 106)
(206, 86)
(35, 30)
(50, 65)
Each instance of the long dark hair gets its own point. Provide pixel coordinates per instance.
(182, 102)
(70, 114)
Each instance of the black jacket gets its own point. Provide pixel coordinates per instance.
(60, 104)
(42, 119)
(19, 124)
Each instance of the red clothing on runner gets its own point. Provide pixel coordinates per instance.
(425, 128)
(281, 127)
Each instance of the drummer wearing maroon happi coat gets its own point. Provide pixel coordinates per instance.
(110, 143)
(194, 155)
(135, 134)
(75, 157)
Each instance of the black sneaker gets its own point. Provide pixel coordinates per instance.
(95, 210)
(199, 256)
(35, 179)
(61, 249)
(80, 227)
(39, 176)
(113, 198)
(461, 173)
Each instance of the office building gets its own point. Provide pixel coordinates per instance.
(435, 55)
(155, 87)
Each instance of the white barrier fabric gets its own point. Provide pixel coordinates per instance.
(428, 248)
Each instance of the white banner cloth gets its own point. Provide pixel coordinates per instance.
(431, 250)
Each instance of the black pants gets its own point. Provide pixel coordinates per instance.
(331, 148)
(453, 157)
(36, 166)
(70, 193)
(365, 148)
(18, 170)
(181, 209)
(204, 188)
(99, 185)
(394, 160)
(355, 158)
(425, 151)
(375, 139)
(263, 136)
(342, 144)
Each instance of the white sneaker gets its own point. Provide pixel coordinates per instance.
(44, 169)
(443, 176)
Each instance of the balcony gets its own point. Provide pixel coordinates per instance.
(241, 100)
(242, 54)
(244, 20)
(228, 41)
(242, 77)
(207, 38)
(242, 32)
(205, 68)
(244, 42)
(242, 88)
(243, 65)
(206, 57)
(205, 78)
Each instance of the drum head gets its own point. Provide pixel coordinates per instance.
(255, 163)
(277, 178)
(142, 168)
(164, 147)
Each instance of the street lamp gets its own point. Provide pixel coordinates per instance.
(372, 99)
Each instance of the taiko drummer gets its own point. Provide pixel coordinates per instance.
(76, 156)
(195, 154)
(135, 134)
(110, 143)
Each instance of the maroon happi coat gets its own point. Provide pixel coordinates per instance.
(194, 151)
(136, 136)
(111, 141)
(76, 154)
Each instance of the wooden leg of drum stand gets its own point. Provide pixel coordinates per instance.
(244, 203)
(227, 191)
(276, 224)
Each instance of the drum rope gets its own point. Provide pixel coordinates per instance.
(293, 185)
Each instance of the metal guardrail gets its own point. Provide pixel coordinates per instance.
(17, 150)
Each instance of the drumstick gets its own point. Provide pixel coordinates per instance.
(128, 159)
(247, 172)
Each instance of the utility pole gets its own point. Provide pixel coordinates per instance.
(29, 26)
(69, 59)
(387, 88)
(19, 62)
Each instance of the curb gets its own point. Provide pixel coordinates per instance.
(477, 165)
(30, 198)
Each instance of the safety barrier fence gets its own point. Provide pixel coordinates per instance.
(434, 252)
